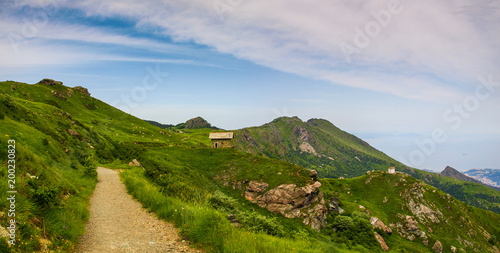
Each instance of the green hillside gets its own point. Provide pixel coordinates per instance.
(318, 144)
(223, 200)
(414, 211)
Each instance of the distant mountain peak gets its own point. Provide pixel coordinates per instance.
(197, 122)
(451, 172)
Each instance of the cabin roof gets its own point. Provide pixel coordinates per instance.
(221, 136)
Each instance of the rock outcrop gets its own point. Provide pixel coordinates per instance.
(334, 206)
(408, 228)
(50, 82)
(381, 241)
(291, 201)
(134, 163)
(438, 247)
(419, 206)
(82, 90)
(377, 223)
(254, 189)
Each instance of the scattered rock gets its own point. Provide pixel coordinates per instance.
(59, 95)
(306, 147)
(313, 174)
(453, 249)
(377, 223)
(381, 240)
(334, 205)
(134, 163)
(4, 233)
(50, 82)
(232, 218)
(409, 228)
(438, 247)
(83, 90)
(73, 132)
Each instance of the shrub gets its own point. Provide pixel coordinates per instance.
(492, 239)
(42, 195)
(342, 223)
(360, 215)
(252, 221)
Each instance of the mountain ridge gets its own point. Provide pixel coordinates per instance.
(319, 145)
(63, 134)
(451, 172)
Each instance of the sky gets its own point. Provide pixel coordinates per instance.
(418, 80)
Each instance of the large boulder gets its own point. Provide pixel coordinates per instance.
(291, 201)
(254, 188)
(438, 247)
(50, 82)
(134, 162)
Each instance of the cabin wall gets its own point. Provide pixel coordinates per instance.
(222, 143)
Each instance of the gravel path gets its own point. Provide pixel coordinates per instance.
(118, 223)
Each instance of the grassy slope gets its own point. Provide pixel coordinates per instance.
(52, 209)
(279, 139)
(181, 179)
(341, 154)
(459, 219)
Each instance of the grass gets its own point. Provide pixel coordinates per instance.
(209, 228)
(184, 181)
(371, 190)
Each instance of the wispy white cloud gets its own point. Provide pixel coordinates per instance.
(435, 48)
(428, 50)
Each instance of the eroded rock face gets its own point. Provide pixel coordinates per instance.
(254, 188)
(421, 208)
(291, 201)
(408, 228)
(381, 240)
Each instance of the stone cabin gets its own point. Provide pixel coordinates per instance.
(222, 140)
(392, 170)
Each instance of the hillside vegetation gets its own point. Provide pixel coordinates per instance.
(223, 200)
(318, 144)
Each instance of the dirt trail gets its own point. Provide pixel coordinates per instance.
(118, 223)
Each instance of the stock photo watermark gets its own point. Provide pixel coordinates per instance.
(372, 29)
(454, 117)
(35, 20)
(225, 6)
(12, 192)
(139, 93)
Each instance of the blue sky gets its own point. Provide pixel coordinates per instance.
(418, 80)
